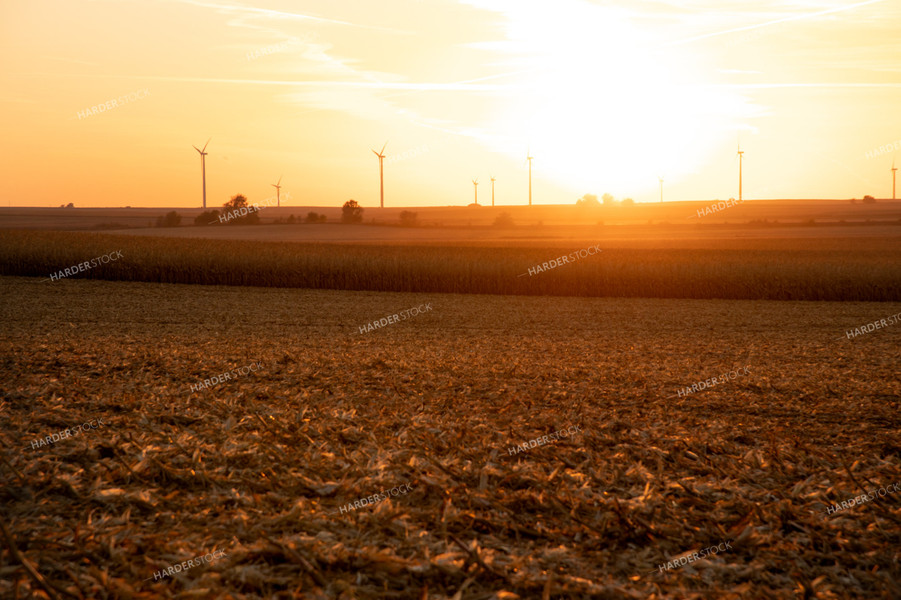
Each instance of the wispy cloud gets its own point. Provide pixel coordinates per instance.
(770, 23)
(824, 84)
(72, 61)
(279, 14)
(458, 86)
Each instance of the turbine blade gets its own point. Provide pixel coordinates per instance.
(279, 180)
(207, 144)
(196, 148)
(383, 148)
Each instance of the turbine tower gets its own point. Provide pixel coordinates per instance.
(529, 158)
(203, 154)
(475, 185)
(740, 153)
(278, 189)
(381, 156)
(492, 190)
(660, 177)
(894, 170)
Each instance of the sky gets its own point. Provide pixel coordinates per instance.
(607, 97)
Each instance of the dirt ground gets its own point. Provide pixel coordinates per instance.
(445, 405)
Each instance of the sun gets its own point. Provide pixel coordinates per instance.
(603, 105)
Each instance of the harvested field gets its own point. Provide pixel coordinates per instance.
(260, 465)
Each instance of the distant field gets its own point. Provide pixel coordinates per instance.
(260, 466)
(761, 214)
(802, 269)
(650, 236)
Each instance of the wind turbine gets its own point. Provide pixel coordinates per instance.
(529, 158)
(492, 190)
(660, 177)
(203, 154)
(381, 156)
(475, 184)
(278, 189)
(894, 169)
(740, 153)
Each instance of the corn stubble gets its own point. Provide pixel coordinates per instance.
(258, 467)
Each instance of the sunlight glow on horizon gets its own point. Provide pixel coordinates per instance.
(605, 97)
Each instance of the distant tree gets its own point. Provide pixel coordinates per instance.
(312, 217)
(628, 202)
(171, 219)
(323, 218)
(607, 198)
(69, 205)
(351, 212)
(207, 217)
(588, 201)
(869, 200)
(232, 211)
(237, 201)
(291, 220)
(853, 200)
(503, 220)
(408, 218)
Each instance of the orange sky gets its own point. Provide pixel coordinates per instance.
(606, 96)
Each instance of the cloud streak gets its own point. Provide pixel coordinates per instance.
(281, 15)
(800, 17)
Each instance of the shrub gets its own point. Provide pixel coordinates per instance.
(207, 217)
(588, 201)
(171, 219)
(503, 220)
